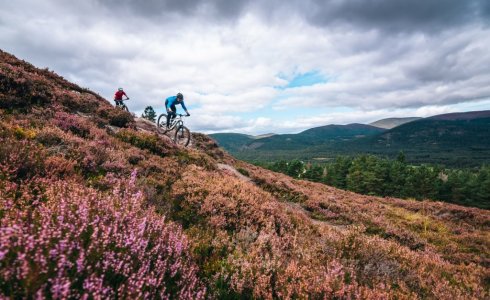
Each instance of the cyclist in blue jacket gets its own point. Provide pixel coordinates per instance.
(170, 103)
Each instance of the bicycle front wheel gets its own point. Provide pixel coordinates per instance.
(124, 107)
(162, 123)
(182, 136)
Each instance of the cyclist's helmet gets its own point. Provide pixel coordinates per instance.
(180, 96)
(120, 89)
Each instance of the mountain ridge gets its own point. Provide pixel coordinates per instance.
(469, 115)
(390, 123)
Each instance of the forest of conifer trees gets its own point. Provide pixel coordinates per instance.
(371, 175)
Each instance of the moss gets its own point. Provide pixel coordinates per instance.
(243, 172)
(282, 194)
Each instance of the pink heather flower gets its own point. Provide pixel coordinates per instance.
(94, 233)
(3, 254)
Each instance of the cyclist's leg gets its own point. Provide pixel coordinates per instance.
(118, 102)
(168, 114)
(171, 115)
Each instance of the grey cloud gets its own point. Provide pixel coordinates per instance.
(382, 15)
(396, 14)
(392, 16)
(387, 53)
(223, 9)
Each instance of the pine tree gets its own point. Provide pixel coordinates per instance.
(149, 114)
(401, 157)
(295, 168)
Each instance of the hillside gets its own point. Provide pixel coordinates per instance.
(324, 135)
(390, 123)
(448, 140)
(96, 204)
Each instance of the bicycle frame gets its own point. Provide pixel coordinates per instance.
(122, 103)
(177, 121)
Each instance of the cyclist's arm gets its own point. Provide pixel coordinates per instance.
(183, 106)
(170, 101)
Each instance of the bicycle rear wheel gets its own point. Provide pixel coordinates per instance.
(182, 136)
(162, 123)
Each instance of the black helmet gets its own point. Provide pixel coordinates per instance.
(180, 96)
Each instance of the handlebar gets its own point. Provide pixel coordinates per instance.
(179, 115)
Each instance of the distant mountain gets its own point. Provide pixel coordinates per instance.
(456, 139)
(234, 142)
(390, 123)
(470, 115)
(340, 131)
(451, 139)
(314, 136)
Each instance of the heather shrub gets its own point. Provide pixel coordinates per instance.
(20, 159)
(84, 244)
(116, 161)
(19, 93)
(207, 145)
(72, 123)
(135, 159)
(91, 156)
(117, 117)
(56, 140)
(145, 141)
(75, 101)
(60, 167)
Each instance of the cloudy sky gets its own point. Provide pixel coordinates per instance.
(265, 66)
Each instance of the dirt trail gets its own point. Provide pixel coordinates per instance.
(232, 171)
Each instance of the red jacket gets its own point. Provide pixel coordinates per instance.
(118, 95)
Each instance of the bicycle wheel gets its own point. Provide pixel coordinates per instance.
(124, 107)
(162, 123)
(182, 136)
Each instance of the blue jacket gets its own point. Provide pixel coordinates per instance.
(173, 100)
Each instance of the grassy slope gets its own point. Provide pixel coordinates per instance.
(262, 236)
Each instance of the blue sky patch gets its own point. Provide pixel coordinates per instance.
(305, 79)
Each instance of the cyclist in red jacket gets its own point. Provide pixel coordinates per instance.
(118, 97)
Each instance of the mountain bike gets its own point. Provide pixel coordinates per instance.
(182, 135)
(123, 106)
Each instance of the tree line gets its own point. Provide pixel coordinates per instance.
(371, 175)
